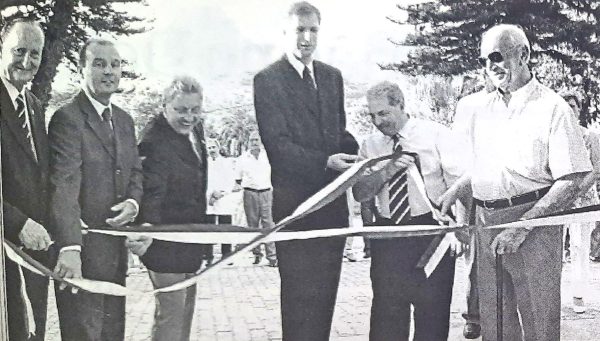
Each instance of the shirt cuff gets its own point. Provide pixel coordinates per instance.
(136, 205)
(70, 248)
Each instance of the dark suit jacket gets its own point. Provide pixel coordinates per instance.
(174, 193)
(299, 137)
(24, 180)
(88, 177)
(25, 194)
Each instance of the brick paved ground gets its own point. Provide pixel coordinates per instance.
(241, 303)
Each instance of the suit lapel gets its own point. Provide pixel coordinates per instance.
(296, 89)
(95, 123)
(325, 83)
(10, 116)
(38, 130)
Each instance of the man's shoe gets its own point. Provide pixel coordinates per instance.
(350, 256)
(471, 330)
(257, 259)
(578, 305)
(273, 263)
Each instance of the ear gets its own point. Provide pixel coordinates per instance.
(525, 55)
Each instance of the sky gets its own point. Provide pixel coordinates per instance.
(211, 39)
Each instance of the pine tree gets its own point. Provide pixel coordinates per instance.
(447, 35)
(67, 24)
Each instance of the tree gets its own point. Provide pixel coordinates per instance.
(447, 35)
(67, 24)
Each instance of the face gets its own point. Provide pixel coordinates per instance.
(21, 54)
(254, 141)
(387, 118)
(212, 148)
(301, 34)
(501, 60)
(184, 112)
(102, 71)
(574, 106)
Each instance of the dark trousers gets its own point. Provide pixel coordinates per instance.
(95, 317)
(310, 273)
(397, 284)
(37, 290)
(225, 248)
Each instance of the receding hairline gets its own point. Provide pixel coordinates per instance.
(513, 33)
(9, 26)
(93, 42)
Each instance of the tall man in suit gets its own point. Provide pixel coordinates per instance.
(299, 106)
(24, 171)
(97, 180)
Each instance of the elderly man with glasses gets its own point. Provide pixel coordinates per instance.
(529, 159)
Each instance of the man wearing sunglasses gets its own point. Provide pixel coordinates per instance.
(529, 160)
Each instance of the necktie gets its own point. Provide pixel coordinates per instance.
(22, 118)
(106, 119)
(398, 192)
(307, 78)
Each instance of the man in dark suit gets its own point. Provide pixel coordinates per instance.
(24, 172)
(299, 106)
(175, 181)
(97, 180)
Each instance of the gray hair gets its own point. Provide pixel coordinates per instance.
(8, 26)
(182, 85)
(514, 34)
(387, 90)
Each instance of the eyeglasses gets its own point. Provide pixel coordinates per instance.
(494, 57)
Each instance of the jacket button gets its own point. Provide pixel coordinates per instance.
(118, 172)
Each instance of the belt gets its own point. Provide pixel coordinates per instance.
(256, 190)
(513, 201)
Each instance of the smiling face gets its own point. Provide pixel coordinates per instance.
(301, 34)
(21, 54)
(102, 71)
(184, 112)
(387, 118)
(504, 59)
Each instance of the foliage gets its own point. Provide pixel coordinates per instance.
(447, 34)
(67, 24)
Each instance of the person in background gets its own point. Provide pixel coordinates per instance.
(254, 176)
(221, 184)
(580, 233)
(175, 182)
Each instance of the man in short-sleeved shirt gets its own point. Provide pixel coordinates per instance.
(529, 160)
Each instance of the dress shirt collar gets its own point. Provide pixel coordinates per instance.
(99, 107)
(13, 93)
(521, 95)
(299, 66)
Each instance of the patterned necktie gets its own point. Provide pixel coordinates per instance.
(106, 119)
(398, 192)
(307, 78)
(22, 116)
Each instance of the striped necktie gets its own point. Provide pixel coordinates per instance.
(22, 117)
(107, 121)
(398, 192)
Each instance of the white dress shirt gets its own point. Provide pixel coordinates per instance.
(299, 67)
(255, 173)
(438, 150)
(524, 145)
(221, 177)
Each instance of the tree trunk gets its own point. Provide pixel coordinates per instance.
(54, 49)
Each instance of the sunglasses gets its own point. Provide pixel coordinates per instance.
(494, 57)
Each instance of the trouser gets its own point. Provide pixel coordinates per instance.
(397, 284)
(472, 292)
(531, 280)
(310, 273)
(174, 310)
(258, 208)
(580, 262)
(595, 241)
(85, 316)
(208, 253)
